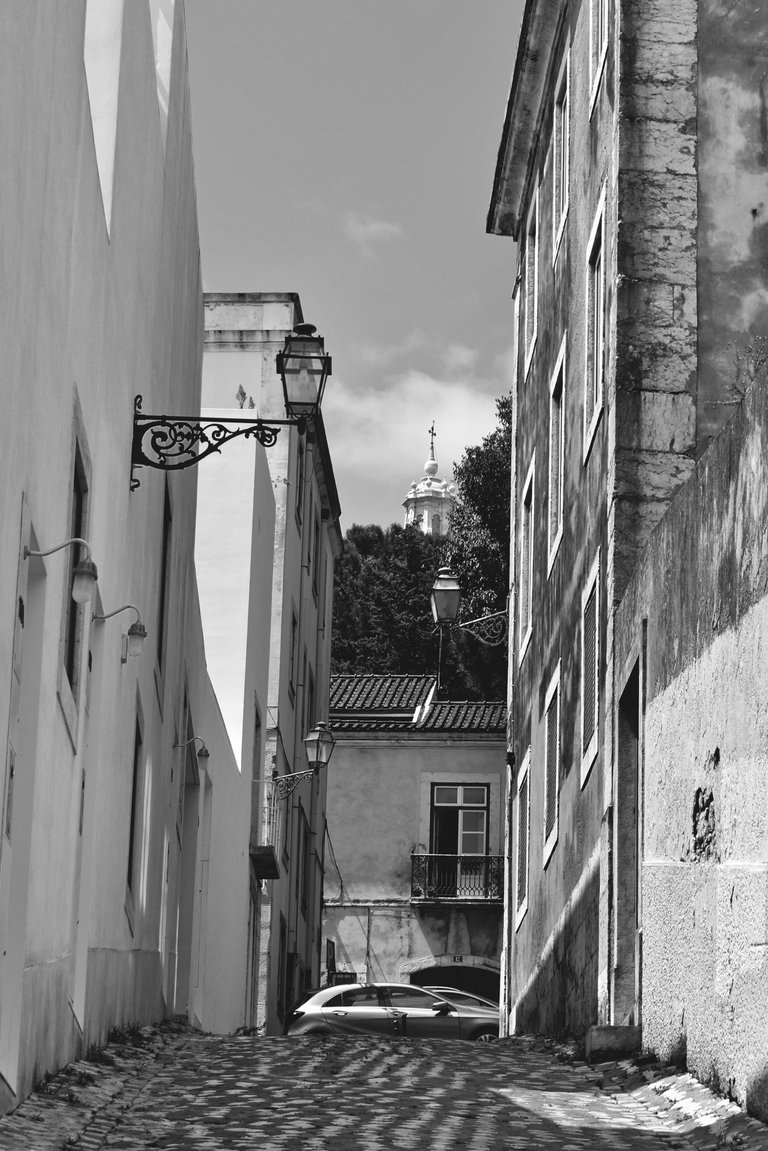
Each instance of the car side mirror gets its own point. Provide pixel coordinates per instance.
(442, 1008)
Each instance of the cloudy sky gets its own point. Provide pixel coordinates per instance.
(345, 150)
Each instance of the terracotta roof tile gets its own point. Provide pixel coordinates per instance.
(388, 703)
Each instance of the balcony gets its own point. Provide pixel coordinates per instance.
(457, 878)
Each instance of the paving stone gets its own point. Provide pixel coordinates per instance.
(181, 1089)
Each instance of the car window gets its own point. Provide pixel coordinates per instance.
(355, 997)
(411, 997)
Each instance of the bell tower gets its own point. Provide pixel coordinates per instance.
(429, 501)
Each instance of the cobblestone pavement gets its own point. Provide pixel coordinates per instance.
(173, 1088)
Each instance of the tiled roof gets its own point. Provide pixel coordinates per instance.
(388, 703)
(379, 693)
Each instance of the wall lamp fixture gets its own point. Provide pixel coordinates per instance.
(133, 642)
(446, 603)
(203, 752)
(85, 573)
(319, 744)
(174, 442)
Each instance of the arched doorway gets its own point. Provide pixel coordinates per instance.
(465, 973)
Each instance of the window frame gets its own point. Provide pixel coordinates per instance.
(556, 384)
(522, 819)
(561, 152)
(599, 19)
(525, 585)
(74, 614)
(300, 472)
(589, 753)
(551, 699)
(594, 384)
(531, 282)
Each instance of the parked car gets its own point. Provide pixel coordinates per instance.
(391, 1009)
(466, 998)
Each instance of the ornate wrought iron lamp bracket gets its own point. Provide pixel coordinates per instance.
(489, 629)
(285, 785)
(171, 443)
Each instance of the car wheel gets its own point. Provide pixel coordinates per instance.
(485, 1036)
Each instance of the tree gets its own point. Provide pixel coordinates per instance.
(382, 620)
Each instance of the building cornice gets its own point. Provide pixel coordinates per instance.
(517, 151)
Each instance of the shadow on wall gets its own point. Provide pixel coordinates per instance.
(563, 996)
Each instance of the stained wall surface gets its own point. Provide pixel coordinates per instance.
(700, 594)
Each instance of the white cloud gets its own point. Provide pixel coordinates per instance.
(379, 438)
(365, 232)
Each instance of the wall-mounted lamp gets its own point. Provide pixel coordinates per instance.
(85, 573)
(446, 603)
(133, 642)
(202, 751)
(319, 744)
(175, 442)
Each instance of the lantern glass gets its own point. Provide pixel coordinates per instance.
(84, 581)
(446, 597)
(319, 744)
(304, 368)
(137, 633)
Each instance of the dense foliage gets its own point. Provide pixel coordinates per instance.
(382, 620)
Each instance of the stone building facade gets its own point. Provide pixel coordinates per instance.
(629, 174)
(416, 817)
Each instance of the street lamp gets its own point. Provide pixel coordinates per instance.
(319, 744)
(133, 642)
(171, 443)
(85, 573)
(446, 602)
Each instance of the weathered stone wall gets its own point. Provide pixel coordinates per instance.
(701, 586)
(656, 333)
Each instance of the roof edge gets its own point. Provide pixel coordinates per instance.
(538, 31)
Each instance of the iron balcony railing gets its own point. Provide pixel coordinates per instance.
(435, 877)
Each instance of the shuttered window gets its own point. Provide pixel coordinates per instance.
(590, 669)
(551, 764)
(523, 824)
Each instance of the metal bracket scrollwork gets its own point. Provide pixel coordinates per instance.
(284, 785)
(489, 629)
(174, 442)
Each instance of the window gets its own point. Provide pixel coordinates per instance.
(165, 579)
(282, 964)
(598, 41)
(556, 457)
(316, 555)
(551, 764)
(292, 655)
(595, 327)
(523, 826)
(74, 612)
(309, 701)
(134, 829)
(525, 582)
(531, 280)
(299, 480)
(590, 669)
(459, 840)
(560, 157)
(303, 861)
(357, 997)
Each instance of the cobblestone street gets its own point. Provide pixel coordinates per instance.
(174, 1088)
